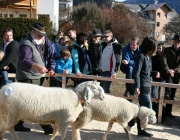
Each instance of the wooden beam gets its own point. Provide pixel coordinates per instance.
(20, 4)
(17, 7)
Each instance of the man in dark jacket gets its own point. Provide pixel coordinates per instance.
(95, 50)
(170, 65)
(9, 47)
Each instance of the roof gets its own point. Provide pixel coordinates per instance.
(152, 7)
(134, 7)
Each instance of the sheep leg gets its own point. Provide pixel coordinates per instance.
(125, 126)
(54, 131)
(1, 135)
(75, 133)
(13, 133)
(62, 130)
(108, 130)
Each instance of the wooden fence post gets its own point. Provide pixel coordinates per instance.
(160, 109)
(63, 81)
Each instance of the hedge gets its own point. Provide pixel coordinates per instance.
(21, 26)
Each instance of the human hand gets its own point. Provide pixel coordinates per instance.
(5, 67)
(40, 69)
(158, 75)
(113, 75)
(125, 62)
(171, 72)
(137, 91)
(65, 71)
(51, 72)
(79, 74)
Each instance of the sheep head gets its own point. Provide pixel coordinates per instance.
(146, 116)
(89, 90)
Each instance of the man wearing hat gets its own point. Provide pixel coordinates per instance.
(36, 56)
(95, 50)
(170, 64)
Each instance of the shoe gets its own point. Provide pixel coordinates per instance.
(47, 129)
(170, 115)
(21, 128)
(143, 133)
(127, 93)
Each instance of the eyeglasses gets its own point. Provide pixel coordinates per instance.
(105, 36)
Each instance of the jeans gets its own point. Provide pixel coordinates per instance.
(153, 89)
(129, 75)
(4, 80)
(145, 100)
(105, 84)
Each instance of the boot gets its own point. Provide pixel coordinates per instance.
(47, 128)
(20, 127)
(141, 132)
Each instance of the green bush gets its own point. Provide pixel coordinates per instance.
(21, 26)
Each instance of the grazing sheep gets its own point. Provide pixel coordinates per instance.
(112, 109)
(45, 105)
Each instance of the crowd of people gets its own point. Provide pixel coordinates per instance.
(94, 54)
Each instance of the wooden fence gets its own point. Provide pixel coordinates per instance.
(159, 100)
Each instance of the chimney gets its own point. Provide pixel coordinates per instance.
(155, 1)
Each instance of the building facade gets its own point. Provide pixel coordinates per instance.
(157, 14)
(31, 9)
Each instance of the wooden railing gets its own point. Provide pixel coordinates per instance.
(159, 100)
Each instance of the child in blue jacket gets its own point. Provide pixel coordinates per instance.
(63, 65)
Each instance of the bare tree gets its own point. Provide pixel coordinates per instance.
(173, 27)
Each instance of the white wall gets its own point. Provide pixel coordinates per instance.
(51, 8)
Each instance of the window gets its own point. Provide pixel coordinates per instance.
(22, 15)
(158, 14)
(11, 15)
(41, 16)
(1, 15)
(5, 15)
(157, 34)
(158, 24)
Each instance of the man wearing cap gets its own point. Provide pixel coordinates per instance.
(36, 56)
(95, 50)
(170, 64)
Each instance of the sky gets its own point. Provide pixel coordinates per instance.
(120, 0)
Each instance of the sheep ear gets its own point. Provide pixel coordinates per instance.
(88, 94)
(144, 122)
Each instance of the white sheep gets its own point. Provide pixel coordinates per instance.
(112, 109)
(44, 105)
